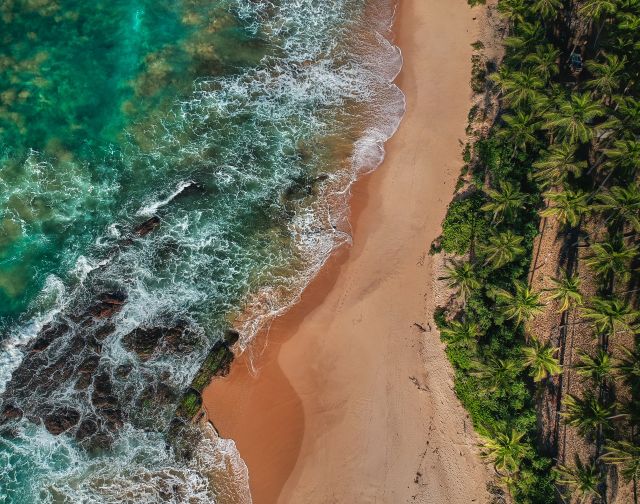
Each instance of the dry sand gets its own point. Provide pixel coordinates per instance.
(352, 403)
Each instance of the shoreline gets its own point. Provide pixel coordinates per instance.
(350, 401)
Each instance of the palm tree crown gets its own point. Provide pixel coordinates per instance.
(552, 169)
(573, 120)
(626, 456)
(623, 203)
(597, 368)
(610, 316)
(587, 414)
(540, 359)
(611, 258)
(504, 202)
(566, 290)
(502, 248)
(522, 305)
(461, 332)
(566, 206)
(461, 276)
(582, 479)
(505, 450)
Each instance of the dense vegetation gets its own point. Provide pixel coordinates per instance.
(564, 146)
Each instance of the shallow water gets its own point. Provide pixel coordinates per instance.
(240, 125)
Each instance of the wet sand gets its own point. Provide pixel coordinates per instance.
(350, 401)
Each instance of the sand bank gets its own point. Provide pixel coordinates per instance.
(352, 402)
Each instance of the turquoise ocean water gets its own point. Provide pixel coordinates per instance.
(234, 129)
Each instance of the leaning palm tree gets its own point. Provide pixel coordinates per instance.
(496, 375)
(628, 367)
(462, 277)
(555, 164)
(607, 75)
(611, 258)
(504, 202)
(598, 367)
(541, 360)
(505, 450)
(582, 479)
(623, 203)
(573, 119)
(544, 61)
(463, 333)
(566, 206)
(610, 316)
(502, 248)
(566, 290)
(522, 305)
(587, 414)
(626, 456)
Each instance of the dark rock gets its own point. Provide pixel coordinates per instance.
(231, 337)
(192, 189)
(48, 334)
(103, 331)
(147, 226)
(89, 364)
(123, 371)
(10, 412)
(143, 341)
(87, 428)
(61, 420)
(108, 304)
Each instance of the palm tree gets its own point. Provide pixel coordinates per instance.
(623, 203)
(461, 276)
(521, 129)
(598, 368)
(505, 202)
(548, 9)
(566, 290)
(595, 9)
(624, 153)
(544, 61)
(528, 35)
(513, 10)
(582, 479)
(628, 113)
(505, 450)
(607, 75)
(522, 306)
(588, 415)
(574, 118)
(541, 361)
(520, 88)
(628, 368)
(465, 333)
(566, 206)
(611, 258)
(502, 248)
(497, 375)
(610, 316)
(560, 160)
(626, 456)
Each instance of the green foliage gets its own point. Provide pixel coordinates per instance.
(463, 225)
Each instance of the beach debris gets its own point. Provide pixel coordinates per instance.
(421, 327)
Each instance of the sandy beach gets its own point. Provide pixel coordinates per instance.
(352, 402)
